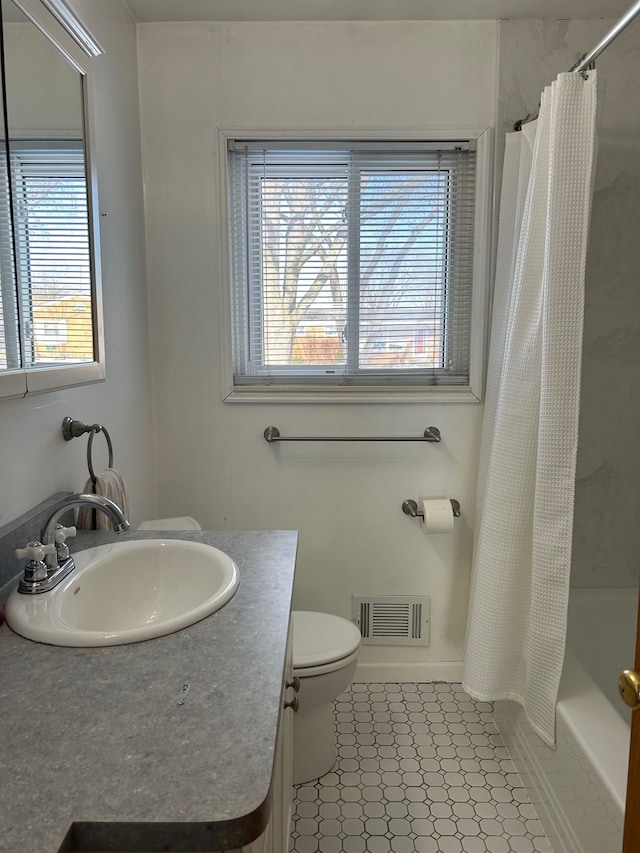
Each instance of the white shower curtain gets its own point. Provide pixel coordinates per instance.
(520, 582)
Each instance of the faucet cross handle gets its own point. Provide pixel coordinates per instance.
(60, 537)
(35, 552)
(63, 533)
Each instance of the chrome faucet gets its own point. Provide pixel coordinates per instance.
(98, 502)
(42, 577)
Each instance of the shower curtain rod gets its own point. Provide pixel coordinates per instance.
(588, 59)
(584, 63)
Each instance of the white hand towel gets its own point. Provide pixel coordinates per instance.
(110, 484)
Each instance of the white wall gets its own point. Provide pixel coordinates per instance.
(213, 462)
(44, 90)
(35, 461)
(210, 458)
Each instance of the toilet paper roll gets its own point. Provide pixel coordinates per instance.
(438, 515)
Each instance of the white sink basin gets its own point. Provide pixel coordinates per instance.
(127, 592)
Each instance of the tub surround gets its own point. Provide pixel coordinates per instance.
(98, 755)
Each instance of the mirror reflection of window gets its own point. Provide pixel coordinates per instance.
(48, 197)
(10, 358)
(52, 248)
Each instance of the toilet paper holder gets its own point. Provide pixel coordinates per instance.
(410, 508)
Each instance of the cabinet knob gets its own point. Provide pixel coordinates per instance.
(295, 683)
(294, 704)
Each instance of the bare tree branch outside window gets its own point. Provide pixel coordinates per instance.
(402, 261)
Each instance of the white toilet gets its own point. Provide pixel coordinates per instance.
(325, 655)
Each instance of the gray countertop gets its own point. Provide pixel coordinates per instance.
(95, 753)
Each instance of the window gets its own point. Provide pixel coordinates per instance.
(352, 264)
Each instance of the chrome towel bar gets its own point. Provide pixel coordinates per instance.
(410, 507)
(431, 434)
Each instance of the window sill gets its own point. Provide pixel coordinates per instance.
(20, 383)
(434, 394)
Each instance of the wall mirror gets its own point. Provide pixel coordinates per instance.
(51, 320)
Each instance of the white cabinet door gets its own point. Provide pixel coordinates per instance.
(275, 838)
(283, 773)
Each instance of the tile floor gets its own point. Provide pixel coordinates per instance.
(420, 769)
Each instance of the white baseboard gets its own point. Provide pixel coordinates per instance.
(394, 673)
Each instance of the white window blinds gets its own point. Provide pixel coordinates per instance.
(351, 265)
(52, 252)
(10, 356)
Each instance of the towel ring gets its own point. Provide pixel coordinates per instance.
(73, 429)
(96, 428)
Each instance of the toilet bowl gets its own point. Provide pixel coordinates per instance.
(325, 656)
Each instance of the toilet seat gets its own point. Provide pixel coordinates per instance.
(322, 642)
(325, 668)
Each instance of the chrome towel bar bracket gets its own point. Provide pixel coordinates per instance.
(431, 434)
(410, 508)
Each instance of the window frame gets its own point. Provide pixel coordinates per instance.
(368, 393)
(23, 381)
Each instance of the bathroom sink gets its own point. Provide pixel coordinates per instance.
(127, 592)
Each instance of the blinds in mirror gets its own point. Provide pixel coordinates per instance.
(52, 252)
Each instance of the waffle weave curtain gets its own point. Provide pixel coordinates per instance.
(516, 627)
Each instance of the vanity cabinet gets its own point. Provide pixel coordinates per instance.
(283, 771)
(204, 774)
(275, 838)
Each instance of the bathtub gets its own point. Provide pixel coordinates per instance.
(579, 788)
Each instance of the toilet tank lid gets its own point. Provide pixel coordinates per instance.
(321, 638)
(181, 522)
